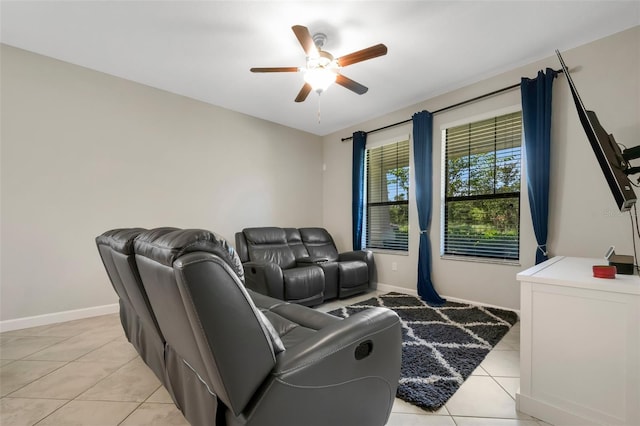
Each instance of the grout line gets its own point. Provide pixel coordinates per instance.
(63, 405)
(36, 379)
(132, 411)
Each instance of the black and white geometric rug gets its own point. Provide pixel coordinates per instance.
(441, 346)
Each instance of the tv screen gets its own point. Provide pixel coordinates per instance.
(613, 164)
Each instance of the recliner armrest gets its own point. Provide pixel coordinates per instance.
(309, 260)
(366, 343)
(265, 278)
(363, 255)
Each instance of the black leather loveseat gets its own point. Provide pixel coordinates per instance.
(301, 265)
(230, 356)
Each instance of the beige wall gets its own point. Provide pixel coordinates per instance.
(584, 219)
(83, 152)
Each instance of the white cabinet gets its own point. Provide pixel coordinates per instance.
(580, 344)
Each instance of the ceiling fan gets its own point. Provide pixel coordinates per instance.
(322, 69)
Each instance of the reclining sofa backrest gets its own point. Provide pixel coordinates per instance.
(138, 320)
(294, 240)
(193, 279)
(284, 245)
(319, 243)
(268, 244)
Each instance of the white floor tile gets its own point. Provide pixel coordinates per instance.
(510, 384)
(478, 421)
(17, 374)
(95, 413)
(403, 419)
(161, 395)
(26, 411)
(502, 363)
(149, 414)
(133, 382)
(479, 371)
(400, 406)
(481, 396)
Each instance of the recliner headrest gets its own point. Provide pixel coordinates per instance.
(120, 240)
(165, 245)
(315, 235)
(265, 235)
(293, 236)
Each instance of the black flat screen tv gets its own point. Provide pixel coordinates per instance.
(606, 149)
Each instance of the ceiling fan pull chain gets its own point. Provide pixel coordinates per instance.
(319, 107)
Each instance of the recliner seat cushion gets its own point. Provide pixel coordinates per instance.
(289, 332)
(303, 282)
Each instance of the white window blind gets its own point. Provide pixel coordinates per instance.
(387, 197)
(482, 188)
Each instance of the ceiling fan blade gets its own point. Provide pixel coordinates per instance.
(362, 55)
(275, 69)
(305, 39)
(304, 92)
(354, 86)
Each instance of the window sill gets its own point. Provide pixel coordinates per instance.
(481, 260)
(393, 252)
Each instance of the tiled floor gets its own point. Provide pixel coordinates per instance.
(85, 372)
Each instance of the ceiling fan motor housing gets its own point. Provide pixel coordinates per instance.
(320, 39)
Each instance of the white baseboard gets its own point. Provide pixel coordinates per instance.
(56, 317)
(414, 292)
(389, 287)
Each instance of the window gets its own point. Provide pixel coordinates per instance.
(481, 216)
(387, 197)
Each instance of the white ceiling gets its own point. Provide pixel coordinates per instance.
(204, 49)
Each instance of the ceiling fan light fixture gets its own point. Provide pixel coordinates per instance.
(321, 71)
(320, 78)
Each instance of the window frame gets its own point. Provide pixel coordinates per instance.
(444, 181)
(365, 220)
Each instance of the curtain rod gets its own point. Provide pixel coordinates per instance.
(468, 101)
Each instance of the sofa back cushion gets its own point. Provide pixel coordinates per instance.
(319, 243)
(269, 244)
(294, 240)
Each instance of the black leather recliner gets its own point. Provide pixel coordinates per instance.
(236, 357)
(272, 268)
(270, 254)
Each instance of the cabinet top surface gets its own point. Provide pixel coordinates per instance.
(577, 272)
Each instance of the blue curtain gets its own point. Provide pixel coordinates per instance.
(536, 119)
(423, 170)
(357, 183)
